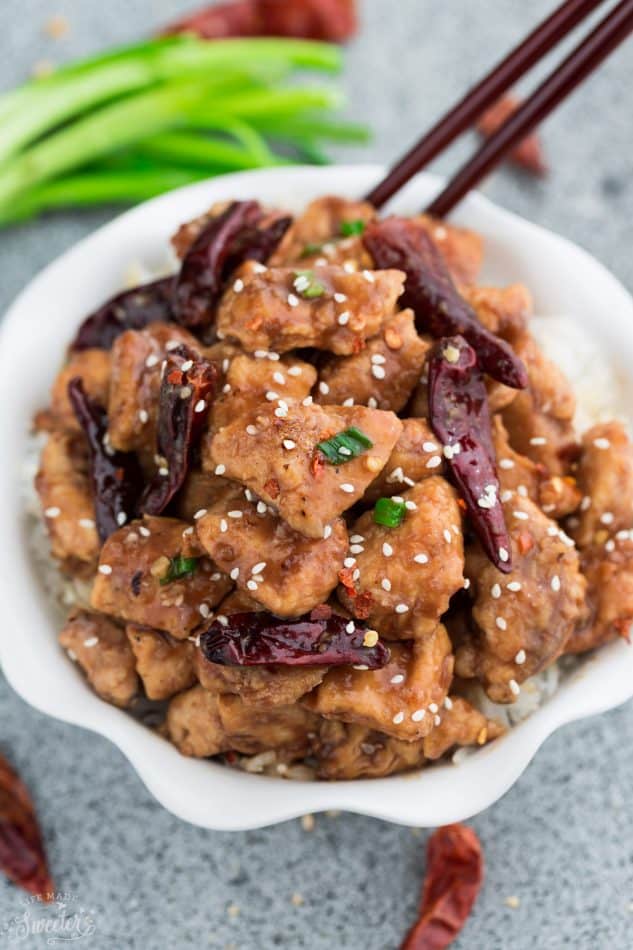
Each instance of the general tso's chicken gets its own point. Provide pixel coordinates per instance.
(605, 478)
(462, 249)
(165, 665)
(151, 572)
(250, 381)
(200, 490)
(92, 366)
(383, 374)
(65, 493)
(137, 357)
(608, 569)
(325, 232)
(274, 452)
(408, 574)
(280, 309)
(556, 495)
(416, 455)
(539, 419)
(504, 311)
(281, 569)
(523, 618)
(201, 724)
(461, 725)
(402, 699)
(101, 649)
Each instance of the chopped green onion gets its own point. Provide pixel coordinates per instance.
(350, 228)
(389, 513)
(307, 285)
(345, 446)
(179, 568)
(311, 249)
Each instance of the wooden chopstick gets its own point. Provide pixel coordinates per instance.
(590, 53)
(539, 42)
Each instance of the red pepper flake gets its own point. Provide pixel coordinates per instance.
(345, 577)
(454, 876)
(317, 464)
(528, 154)
(623, 626)
(175, 377)
(525, 542)
(363, 604)
(272, 487)
(22, 856)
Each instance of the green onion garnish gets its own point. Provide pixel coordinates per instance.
(307, 285)
(350, 228)
(389, 513)
(345, 446)
(311, 249)
(179, 568)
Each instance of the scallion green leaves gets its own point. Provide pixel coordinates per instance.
(351, 228)
(306, 284)
(180, 568)
(345, 446)
(389, 513)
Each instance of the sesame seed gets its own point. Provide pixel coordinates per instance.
(347, 487)
(200, 406)
(235, 573)
(387, 550)
(260, 354)
(251, 430)
(143, 416)
(437, 720)
(91, 642)
(327, 531)
(282, 412)
(163, 471)
(238, 285)
(521, 515)
(225, 364)
(607, 517)
(220, 469)
(378, 358)
(356, 574)
(410, 506)
(514, 586)
(236, 513)
(274, 356)
(289, 445)
(429, 446)
(433, 707)
(52, 512)
(398, 678)
(86, 523)
(251, 584)
(349, 267)
(520, 658)
(538, 440)
(200, 513)
(307, 401)
(377, 372)
(258, 568)
(293, 301)
(522, 491)
(350, 627)
(324, 388)
(222, 620)
(610, 546)
(356, 549)
(503, 555)
(172, 345)
(448, 703)
(186, 366)
(151, 360)
(340, 298)
(121, 518)
(261, 508)
(145, 532)
(447, 535)
(401, 608)
(466, 584)
(225, 389)
(224, 525)
(369, 277)
(602, 443)
(501, 623)
(357, 538)
(398, 718)
(349, 562)
(272, 396)
(421, 558)
(343, 318)
(495, 591)
(385, 584)
(514, 687)
(585, 504)
(555, 583)
(506, 463)
(372, 402)
(279, 378)
(506, 495)
(105, 569)
(552, 531)
(204, 610)
(418, 715)
(295, 371)
(434, 461)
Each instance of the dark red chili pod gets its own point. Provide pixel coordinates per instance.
(430, 292)
(460, 418)
(22, 856)
(260, 638)
(130, 310)
(116, 477)
(332, 20)
(186, 391)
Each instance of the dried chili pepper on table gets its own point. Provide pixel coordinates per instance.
(460, 418)
(333, 20)
(22, 856)
(454, 875)
(116, 477)
(260, 638)
(528, 154)
(130, 310)
(228, 240)
(430, 292)
(186, 391)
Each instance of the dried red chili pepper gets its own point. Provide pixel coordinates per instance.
(454, 875)
(333, 20)
(186, 392)
(130, 310)
(223, 244)
(22, 856)
(430, 292)
(528, 154)
(460, 418)
(260, 638)
(116, 477)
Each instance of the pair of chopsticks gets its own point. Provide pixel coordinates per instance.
(585, 58)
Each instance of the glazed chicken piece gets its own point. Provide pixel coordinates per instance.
(273, 685)
(461, 725)
(280, 309)
(281, 569)
(164, 665)
(462, 250)
(558, 495)
(409, 573)
(274, 452)
(524, 618)
(201, 723)
(137, 357)
(65, 493)
(101, 649)
(504, 311)
(93, 368)
(251, 381)
(402, 699)
(605, 479)
(383, 374)
(133, 581)
(416, 455)
(200, 490)
(539, 419)
(318, 234)
(608, 569)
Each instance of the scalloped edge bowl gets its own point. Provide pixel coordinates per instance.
(563, 279)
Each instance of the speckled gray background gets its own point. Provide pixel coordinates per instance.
(562, 839)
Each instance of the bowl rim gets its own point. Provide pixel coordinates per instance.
(189, 787)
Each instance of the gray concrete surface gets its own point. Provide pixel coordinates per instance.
(561, 839)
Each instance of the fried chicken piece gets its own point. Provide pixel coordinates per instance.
(605, 478)
(462, 249)
(504, 311)
(137, 558)
(608, 569)
(101, 649)
(402, 699)
(274, 452)
(200, 490)
(416, 455)
(408, 574)
(65, 493)
(279, 309)
(165, 665)
(193, 723)
(461, 725)
(316, 235)
(524, 618)
(383, 375)
(92, 366)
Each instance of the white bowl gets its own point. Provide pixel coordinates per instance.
(35, 333)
